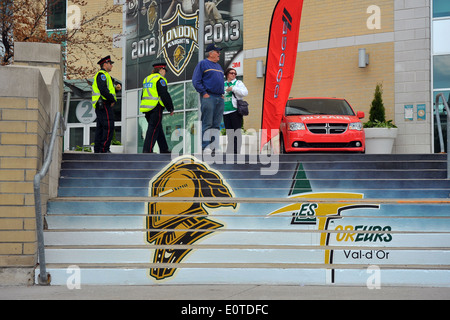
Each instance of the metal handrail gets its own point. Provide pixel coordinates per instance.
(44, 277)
(438, 121)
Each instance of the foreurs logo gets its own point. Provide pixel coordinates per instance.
(321, 213)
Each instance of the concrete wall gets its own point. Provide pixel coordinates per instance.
(30, 95)
(413, 75)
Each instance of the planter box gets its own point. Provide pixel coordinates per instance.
(380, 140)
(116, 149)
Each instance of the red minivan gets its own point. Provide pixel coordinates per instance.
(321, 124)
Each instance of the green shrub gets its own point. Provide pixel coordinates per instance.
(377, 114)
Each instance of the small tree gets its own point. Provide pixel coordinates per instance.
(377, 111)
(377, 114)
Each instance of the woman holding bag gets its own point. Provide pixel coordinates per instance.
(234, 90)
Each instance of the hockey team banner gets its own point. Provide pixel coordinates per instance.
(280, 65)
(167, 30)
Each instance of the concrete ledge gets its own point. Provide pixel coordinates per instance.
(30, 52)
(16, 276)
(13, 85)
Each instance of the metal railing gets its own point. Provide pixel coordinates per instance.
(439, 128)
(44, 277)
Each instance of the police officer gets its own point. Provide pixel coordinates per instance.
(155, 97)
(103, 100)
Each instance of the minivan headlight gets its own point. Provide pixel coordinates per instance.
(294, 126)
(355, 126)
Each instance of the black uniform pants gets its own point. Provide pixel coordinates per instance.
(233, 126)
(105, 129)
(155, 131)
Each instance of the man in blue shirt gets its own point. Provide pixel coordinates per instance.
(208, 80)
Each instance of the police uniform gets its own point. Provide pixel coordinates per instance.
(103, 96)
(155, 97)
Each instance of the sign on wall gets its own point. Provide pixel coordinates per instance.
(167, 30)
(85, 112)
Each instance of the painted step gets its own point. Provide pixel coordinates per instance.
(336, 217)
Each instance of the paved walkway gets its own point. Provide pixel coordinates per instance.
(221, 292)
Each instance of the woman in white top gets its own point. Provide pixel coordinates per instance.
(234, 89)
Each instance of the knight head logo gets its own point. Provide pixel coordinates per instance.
(178, 39)
(183, 223)
(152, 15)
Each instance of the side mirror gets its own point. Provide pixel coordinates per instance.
(360, 114)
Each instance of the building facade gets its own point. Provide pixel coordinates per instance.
(95, 30)
(404, 42)
(396, 35)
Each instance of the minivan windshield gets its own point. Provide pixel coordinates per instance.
(318, 106)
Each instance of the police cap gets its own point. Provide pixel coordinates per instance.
(161, 65)
(105, 60)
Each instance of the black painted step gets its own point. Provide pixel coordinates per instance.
(401, 176)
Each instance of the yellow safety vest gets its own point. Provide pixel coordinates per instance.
(95, 90)
(150, 97)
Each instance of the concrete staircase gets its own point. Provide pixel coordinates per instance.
(294, 219)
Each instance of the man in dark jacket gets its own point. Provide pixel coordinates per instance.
(208, 80)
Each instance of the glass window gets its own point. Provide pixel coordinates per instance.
(441, 30)
(72, 117)
(441, 8)
(191, 96)
(447, 98)
(176, 92)
(172, 125)
(441, 72)
(441, 65)
(142, 131)
(318, 106)
(75, 138)
(117, 137)
(91, 135)
(191, 118)
(118, 110)
(138, 103)
(185, 100)
(56, 16)
(443, 120)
